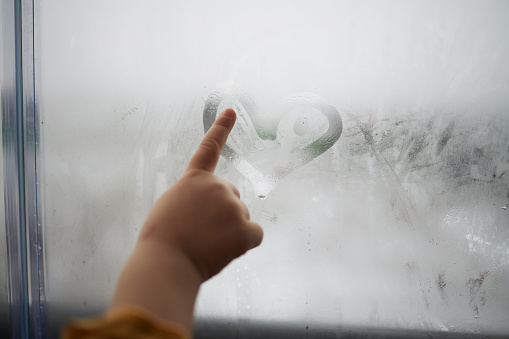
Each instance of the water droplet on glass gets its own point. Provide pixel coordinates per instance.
(262, 197)
(300, 127)
(505, 208)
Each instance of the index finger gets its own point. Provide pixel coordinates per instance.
(209, 150)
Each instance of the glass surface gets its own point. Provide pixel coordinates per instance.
(400, 224)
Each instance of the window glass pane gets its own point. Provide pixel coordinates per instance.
(400, 224)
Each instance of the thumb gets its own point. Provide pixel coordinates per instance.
(208, 152)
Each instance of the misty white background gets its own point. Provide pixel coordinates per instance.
(398, 225)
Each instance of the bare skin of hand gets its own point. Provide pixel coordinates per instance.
(191, 233)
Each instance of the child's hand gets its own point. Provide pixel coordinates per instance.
(192, 232)
(202, 215)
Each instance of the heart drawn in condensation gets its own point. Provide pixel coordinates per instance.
(267, 146)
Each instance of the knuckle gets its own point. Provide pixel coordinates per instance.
(236, 191)
(218, 188)
(211, 145)
(223, 122)
(246, 240)
(230, 212)
(238, 207)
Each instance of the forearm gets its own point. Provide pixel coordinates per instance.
(161, 280)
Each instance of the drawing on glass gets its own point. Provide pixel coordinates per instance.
(265, 146)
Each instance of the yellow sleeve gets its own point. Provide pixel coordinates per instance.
(127, 323)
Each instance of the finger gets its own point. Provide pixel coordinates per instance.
(247, 215)
(255, 234)
(209, 150)
(235, 191)
(243, 206)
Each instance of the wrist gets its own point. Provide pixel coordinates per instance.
(160, 279)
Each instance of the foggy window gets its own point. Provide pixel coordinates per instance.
(372, 145)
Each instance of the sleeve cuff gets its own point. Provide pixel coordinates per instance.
(125, 322)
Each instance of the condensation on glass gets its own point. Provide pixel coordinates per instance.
(372, 146)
